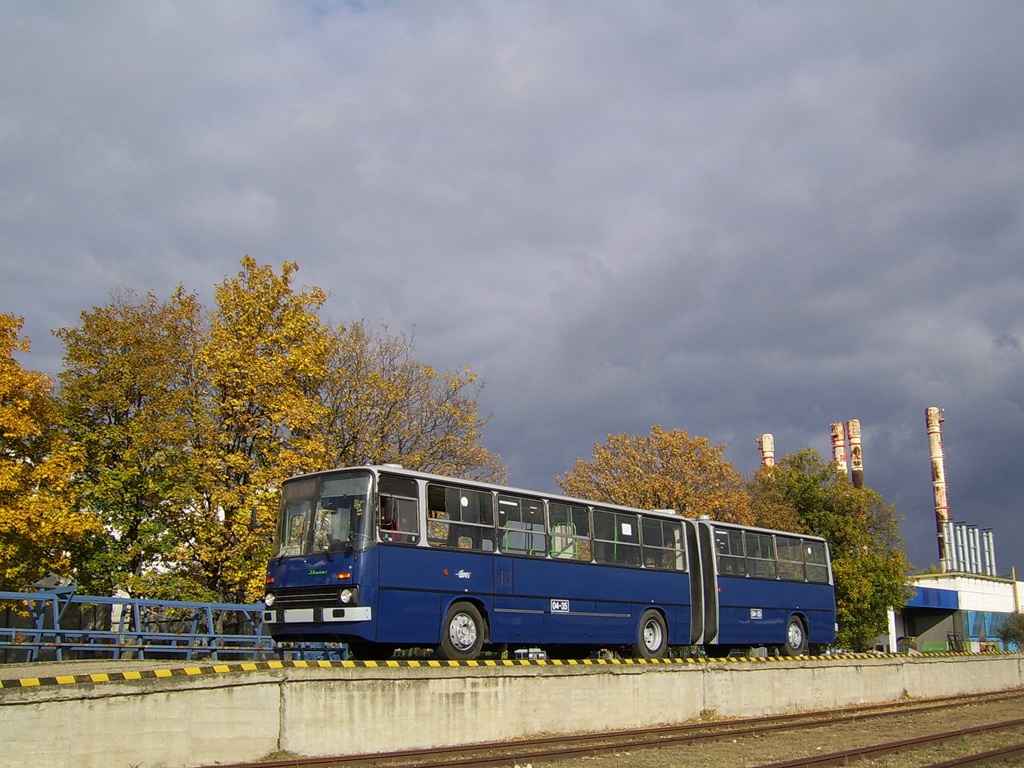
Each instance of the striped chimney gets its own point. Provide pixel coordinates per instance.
(933, 419)
(838, 444)
(856, 456)
(766, 444)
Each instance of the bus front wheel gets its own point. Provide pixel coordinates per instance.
(652, 637)
(796, 638)
(463, 633)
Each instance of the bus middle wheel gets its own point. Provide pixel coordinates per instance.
(652, 636)
(463, 633)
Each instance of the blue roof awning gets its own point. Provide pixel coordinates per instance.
(930, 597)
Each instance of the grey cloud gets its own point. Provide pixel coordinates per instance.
(725, 218)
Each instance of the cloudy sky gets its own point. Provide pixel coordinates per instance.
(728, 218)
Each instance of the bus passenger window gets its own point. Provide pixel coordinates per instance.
(791, 558)
(522, 526)
(663, 544)
(468, 516)
(816, 558)
(760, 552)
(570, 532)
(729, 550)
(616, 538)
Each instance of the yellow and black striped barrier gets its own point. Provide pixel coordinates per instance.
(253, 666)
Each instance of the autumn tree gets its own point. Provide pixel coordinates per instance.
(665, 470)
(384, 406)
(868, 560)
(262, 365)
(190, 418)
(40, 530)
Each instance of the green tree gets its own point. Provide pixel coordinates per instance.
(665, 470)
(868, 559)
(1012, 630)
(40, 530)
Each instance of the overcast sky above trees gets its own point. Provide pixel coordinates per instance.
(727, 218)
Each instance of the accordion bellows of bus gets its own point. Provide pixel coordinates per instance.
(382, 558)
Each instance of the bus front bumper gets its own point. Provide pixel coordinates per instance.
(316, 615)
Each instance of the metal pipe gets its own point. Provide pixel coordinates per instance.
(948, 542)
(988, 552)
(856, 457)
(960, 532)
(933, 419)
(838, 444)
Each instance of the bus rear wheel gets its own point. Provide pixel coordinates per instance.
(463, 633)
(652, 636)
(796, 638)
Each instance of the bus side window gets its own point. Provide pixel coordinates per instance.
(467, 515)
(816, 562)
(521, 522)
(570, 532)
(729, 551)
(760, 550)
(663, 544)
(399, 522)
(398, 517)
(616, 538)
(791, 558)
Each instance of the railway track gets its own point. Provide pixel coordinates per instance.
(590, 746)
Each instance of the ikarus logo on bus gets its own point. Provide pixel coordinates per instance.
(316, 573)
(464, 574)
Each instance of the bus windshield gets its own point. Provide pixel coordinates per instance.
(328, 513)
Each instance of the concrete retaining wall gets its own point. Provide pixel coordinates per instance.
(224, 714)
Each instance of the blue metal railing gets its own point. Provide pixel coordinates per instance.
(137, 628)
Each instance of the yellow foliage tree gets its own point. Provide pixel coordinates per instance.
(666, 470)
(384, 406)
(189, 419)
(40, 531)
(129, 397)
(263, 364)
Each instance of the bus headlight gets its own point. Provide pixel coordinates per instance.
(269, 600)
(349, 596)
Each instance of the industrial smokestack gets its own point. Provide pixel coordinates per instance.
(933, 419)
(856, 457)
(839, 444)
(766, 444)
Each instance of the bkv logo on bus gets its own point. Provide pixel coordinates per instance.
(464, 574)
(560, 606)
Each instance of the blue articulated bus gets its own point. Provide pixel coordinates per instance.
(382, 558)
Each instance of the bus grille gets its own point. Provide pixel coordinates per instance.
(307, 597)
